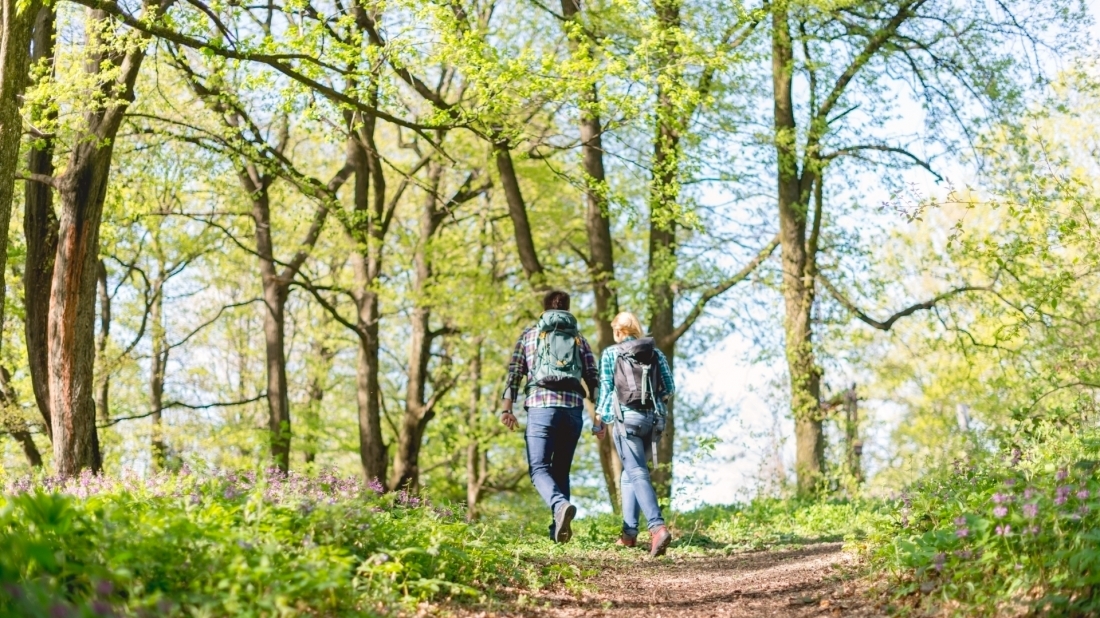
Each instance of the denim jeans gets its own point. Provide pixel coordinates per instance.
(552, 435)
(633, 439)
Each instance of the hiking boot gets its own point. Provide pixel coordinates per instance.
(659, 540)
(562, 530)
(626, 541)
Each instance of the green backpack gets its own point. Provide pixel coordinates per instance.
(558, 364)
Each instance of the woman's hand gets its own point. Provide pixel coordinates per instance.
(600, 432)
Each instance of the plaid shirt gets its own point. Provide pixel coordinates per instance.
(605, 407)
(523, 362)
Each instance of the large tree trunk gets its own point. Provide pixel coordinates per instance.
(368, 233)
(797, 264)
(275, 295)
(664, 194)
(156, 372)
(601, 258)
(82, 189)
(418, 412)
(40, 231)
(16, 29)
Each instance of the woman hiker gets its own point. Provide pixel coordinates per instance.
(635, 384)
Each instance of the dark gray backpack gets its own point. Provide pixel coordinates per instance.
(636, 373)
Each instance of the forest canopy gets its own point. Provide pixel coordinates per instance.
(306, 235)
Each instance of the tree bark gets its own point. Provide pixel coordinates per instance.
(368, 231)
(17, 427)
(103, 389)
(157, 365)
(275, 293)
(418, 411)
(477, 459)
(601, 258)
(797, 264)
(40, 231)
(16, 32)
(664, 194)
(517, 211)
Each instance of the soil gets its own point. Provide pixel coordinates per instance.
(812, 580)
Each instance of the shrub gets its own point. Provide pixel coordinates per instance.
(225, 543)
(1017, 533)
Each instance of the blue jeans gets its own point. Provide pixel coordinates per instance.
(633, 439)
(552, 435)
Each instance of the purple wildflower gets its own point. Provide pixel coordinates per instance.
(962, 532)
(1031, 510)
(1029, 493)
(937, 562)
(999, 498)
(376, 486)
(1016, 454)
(1010, 482)
(1061, 475)
(1003, 530)
(104, 588)
(1083, 494)
(1000, 511)
(1061, 494)
(1033, 530)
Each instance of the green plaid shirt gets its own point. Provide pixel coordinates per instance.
(523, 362)
(607, 383)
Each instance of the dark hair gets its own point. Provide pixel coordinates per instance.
(556, 299)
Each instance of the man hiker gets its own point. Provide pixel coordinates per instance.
(554, 359)
(635, 385)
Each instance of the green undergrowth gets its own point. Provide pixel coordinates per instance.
(238, 545)
(221, 543)
(1012, 534)
(771, 523)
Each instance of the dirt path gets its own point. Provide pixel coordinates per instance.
(807, 581)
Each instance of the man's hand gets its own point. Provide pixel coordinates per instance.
(601, 432)
(510, 421)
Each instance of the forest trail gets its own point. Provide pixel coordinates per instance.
(810, 580)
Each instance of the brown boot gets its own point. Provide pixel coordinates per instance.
(626, 541)
(659, 540)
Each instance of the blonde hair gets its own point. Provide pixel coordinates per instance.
(627, 324)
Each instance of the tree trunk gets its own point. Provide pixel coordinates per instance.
(156, 372)
(17, 427)
(103, 335)
(368, 232)
(82, 189)
(664, 194)
(601, 259)
(418, 412)
(477, 459)
(517, 211)
(316, 394)
(40, 231)
(275, 295)
(16, 32)
(797, 264)
(853, 445)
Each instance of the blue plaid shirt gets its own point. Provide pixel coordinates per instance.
(605, 407)
(523, 362)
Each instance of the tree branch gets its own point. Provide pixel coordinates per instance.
(715, 291)
(889, 322)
